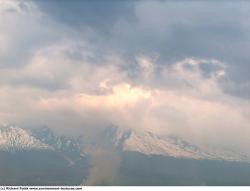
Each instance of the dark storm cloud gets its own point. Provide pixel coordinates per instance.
(98, 14)
(174, 30)
(171, 30)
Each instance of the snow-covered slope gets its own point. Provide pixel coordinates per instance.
(63, 144)
(13, 138)
(151, 144)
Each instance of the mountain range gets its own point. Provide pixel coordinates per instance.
(14, 138)
(68, 155)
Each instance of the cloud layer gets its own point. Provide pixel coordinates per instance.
(52, 74)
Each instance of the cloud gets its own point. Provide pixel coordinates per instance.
(167, 28)
(175, 31)
(95, 14)
(184, 98)
(167, 71)
(24, 30)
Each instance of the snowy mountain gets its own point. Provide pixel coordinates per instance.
(148, 143)
(38, 157)
(70, 148)
(13, 138)
(144, 158)
(62, 144)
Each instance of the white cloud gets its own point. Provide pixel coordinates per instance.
(186, 101)
(146, 66)
(23, 30)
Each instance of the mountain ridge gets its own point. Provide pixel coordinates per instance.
(148, 143)
(14, 138)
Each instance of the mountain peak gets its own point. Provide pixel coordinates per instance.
(14, 138)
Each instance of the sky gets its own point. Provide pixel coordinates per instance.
(170, 67)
